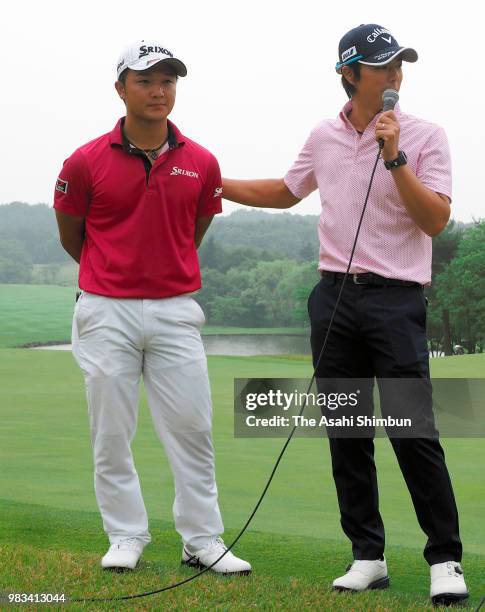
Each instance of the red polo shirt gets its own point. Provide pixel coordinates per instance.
(140, 219)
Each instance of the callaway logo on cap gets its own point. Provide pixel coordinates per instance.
(373, 45)
(143, 54)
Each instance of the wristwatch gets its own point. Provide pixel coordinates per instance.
(400, 160)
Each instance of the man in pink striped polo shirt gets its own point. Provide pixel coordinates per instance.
(379, 329)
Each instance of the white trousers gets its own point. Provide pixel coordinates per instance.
(115, 341)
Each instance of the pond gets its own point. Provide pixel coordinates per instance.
(241, 344)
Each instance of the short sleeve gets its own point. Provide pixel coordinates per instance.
(300, 178)
(434, 163)
(210, 201)
(72, 192)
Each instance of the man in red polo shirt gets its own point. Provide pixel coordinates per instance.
(132, 207)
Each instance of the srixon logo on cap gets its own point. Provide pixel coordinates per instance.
(144, 50)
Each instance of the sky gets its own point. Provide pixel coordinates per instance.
(260, 76)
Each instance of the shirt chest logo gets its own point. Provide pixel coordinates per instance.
(191, 173)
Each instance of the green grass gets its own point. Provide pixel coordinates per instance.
(43, 313)
(459, 366)
(35, 313)
(52, 537)
(67, 274)
(48, 550)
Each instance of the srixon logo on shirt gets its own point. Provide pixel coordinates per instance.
(191, 173)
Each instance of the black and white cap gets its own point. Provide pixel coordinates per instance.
(373, 45)
(143, 54)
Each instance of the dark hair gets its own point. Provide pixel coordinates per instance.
(349, 88)
(123, 75)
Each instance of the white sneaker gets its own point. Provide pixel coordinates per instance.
(363, 575)
(229, 564)
(447, 583)
(123, 555)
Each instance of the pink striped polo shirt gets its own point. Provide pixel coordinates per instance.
(338, 161)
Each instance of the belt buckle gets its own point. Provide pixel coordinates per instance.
(355, 278)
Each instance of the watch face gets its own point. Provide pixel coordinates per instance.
(400, 160)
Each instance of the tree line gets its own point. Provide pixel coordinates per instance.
(259, 268)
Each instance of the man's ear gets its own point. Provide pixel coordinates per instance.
(120, 89)
(348, 74)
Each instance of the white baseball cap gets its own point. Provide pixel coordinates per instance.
(143, 54)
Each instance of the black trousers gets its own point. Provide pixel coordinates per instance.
(381, 331)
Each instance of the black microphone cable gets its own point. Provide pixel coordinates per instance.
(282, 452)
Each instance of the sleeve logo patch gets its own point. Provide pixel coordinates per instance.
(61, 185)
(218, 192)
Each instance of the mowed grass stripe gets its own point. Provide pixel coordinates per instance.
(43, 313)
(35, 313)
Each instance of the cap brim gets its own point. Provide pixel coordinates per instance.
(383, 58)
(175, 63)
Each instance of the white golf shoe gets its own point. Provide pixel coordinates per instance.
(447, 583)
(123, 555)
(363, 575)
(229, 564)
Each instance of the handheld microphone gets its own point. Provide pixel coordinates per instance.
(389, 101)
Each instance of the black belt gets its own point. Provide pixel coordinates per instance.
(369, 278)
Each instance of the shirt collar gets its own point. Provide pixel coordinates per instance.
(344, 114)
(117, 136)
